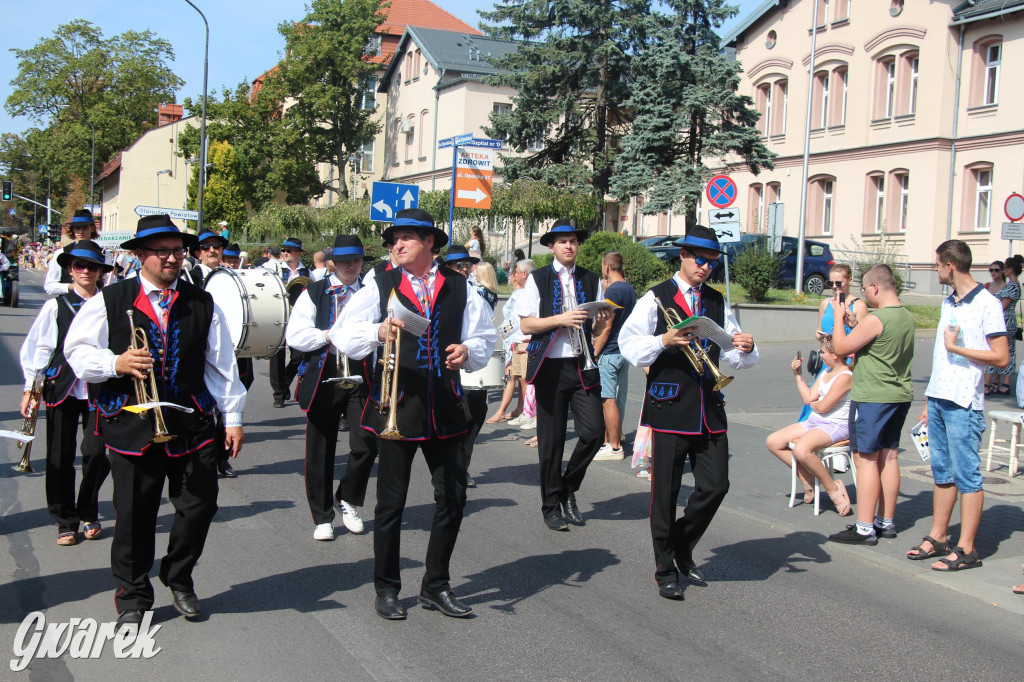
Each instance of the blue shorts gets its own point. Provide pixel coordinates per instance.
(874, 426)
(614, 380)
(954, 439)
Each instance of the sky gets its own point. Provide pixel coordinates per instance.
(244, 41)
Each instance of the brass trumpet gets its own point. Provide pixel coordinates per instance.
(342, 360)
(28, 427)
(148, 394)
(697, 356)
(577, 339)
(389, 378)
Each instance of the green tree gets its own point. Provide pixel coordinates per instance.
(571, 75)
(326, 71)
(640, 267)
(223, 198)
(687, 111)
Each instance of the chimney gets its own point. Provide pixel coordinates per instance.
(169, 113)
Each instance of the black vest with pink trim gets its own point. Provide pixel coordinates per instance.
(550, 288)
(678, 400)
(59, 379)
(179, 355)
(429, 394)
(320, 365)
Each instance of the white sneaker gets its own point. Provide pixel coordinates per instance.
(529, 424)
(350, 517)
(840, 465)
(607, 453)
(516, 421)
(323, 531)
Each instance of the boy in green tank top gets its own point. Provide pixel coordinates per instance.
(879, 401)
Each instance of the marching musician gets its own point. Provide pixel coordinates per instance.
(233, 260)
(233, 256)
(282, 373)
(557, 368)
(179, 322)
(209, 253)
(82, 226)
(427, 406)
(681, 405)
(67, 399)
(314, 313)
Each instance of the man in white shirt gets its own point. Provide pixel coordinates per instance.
(319, 266)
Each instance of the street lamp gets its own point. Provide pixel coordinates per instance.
(202, 124)
(166, 171)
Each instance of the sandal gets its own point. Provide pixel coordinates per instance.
(532, 443)
(988, 389)
(1004, 389)
(644, 473)
(808, 494)
(67, 539)
(962, 562)
(841, 499)
(498, 418)
(92, 530)
(938, 549)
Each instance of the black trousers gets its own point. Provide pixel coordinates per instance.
(138, 484)
(675, 539)
(62, 423)
(282, 372)
(322, 444)
(449, 481)
(558, 387)
(474, 404)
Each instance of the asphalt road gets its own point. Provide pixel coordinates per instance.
(781, 602)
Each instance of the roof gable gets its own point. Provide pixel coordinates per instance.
(451, 51)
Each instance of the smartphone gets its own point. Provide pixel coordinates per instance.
(842, 297)
(799, 356)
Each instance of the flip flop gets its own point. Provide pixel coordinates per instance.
(496, 419)
(531, 443)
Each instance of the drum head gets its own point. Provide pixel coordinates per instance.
(227, 290)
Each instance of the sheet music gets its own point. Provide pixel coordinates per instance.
(593, 307)
(142, 407)
(16, 435)
(415, 324)
(352, 379)
(706, 328)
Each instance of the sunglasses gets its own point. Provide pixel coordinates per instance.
(995, 269)
(290, 251)
(207, 247)
(82, 266)
(462, 265)
(835, 284)
(701, 261)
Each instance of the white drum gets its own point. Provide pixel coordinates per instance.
(491, 376)
(256, 307)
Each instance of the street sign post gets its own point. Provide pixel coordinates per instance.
(474, 177)
(175, 213)
(775, 224)
(721, 191)
(388, 198)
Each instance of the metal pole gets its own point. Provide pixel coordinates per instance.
(202, 122)
(807, 159)
(728, 287)
(451, 198)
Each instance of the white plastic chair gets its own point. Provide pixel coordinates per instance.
(826, 455)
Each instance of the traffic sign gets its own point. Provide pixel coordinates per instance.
(1013, 231)
(388, 198)
(175, 213)
(1014, 207)
(474, 176)
(485, 142)
(721, 191)
(727, 233)
(723, 215)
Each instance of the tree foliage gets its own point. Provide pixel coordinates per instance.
(640, 267)
(223, 197)
(317, 227)
(687, 111)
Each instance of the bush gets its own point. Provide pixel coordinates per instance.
(861, 257)
(757, 269)
(639, 266)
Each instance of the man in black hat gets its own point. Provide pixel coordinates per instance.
(282, 370)
(428, 398)
(82, 227)
(559, 356)
(67, 399)
(209, 252)
(323, 401)
(180, 323)
(681, 405)
(233, 256)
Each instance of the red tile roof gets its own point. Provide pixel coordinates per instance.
(423, 13)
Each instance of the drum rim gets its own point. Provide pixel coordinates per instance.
(241, 351)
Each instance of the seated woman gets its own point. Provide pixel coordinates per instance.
(829, 401)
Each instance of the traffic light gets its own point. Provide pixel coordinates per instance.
(8, 190)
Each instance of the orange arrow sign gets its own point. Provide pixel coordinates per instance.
(474, 176)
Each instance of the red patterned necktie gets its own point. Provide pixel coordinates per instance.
(423, 292)
(164, 302)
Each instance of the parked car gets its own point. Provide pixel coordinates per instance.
(660, 240)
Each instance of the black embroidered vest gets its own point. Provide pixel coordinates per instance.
(550, 288)
(677, 400)
(59, 379)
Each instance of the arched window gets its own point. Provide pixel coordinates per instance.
(977, 208)
(874, 203)
(986, 69)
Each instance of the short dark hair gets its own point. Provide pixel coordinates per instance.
(955, 252)
(613, 259)
(881, 275)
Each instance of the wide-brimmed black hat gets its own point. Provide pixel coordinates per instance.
(232, 251)
(152, 226)
(700, 237)
(347, 247)
(419, 220)
(86, 250)
(456, 253)
(82, 217)
(561, 228)
(292, 243)
(207, 235)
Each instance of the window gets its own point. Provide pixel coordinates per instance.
(823, 7)
(824, 100)
(841, 10)
(820, 102)
(755, 207)
(369, 88)
(772, 100)
(783, 88)
(424, 117)
(366, 157)
(914, 65)
(827, 188)
(408, 67)
(372, 48)
(878, 216)
(983, 198)
(903, 180)
(840, 77)
(409, 131)
(993, 59)
(500, 109)
(536, 143)
(774, 193)
(764, 105)
(890, 87)
(821, 192)
(416, 65)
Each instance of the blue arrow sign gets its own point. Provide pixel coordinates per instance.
(388, 198)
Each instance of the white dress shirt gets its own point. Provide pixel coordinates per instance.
(528, 305)
(51, 283)
(39, 346)
(87, 351)
(302, 333)
(318, 274)
(354, 334)
(641, 348)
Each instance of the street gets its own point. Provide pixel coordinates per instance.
(781, 602)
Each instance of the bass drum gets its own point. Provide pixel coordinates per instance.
(256, 307)
(491, 376)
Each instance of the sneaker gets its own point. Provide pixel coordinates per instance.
(528, 425)
(350, 517)
(324, 532)
(516, 421)
(608, 453)
(887, 532)
(840, 465)
(850, 536)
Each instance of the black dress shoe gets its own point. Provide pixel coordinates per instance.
(445, 602)
(186, 602)
(470, 483)
(127, 619)
(278, 402)
(671, 591)
(224, 469)
(572, 511)
(555, 521)
(693, 573)
(343, 424)
(388, 607)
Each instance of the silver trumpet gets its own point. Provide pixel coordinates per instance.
(341, 360)
(577, 339)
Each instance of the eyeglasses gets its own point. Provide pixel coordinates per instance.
(701, 261)
(462, 265)
(863, 289)
(82, 266)
(214, 245)
(164, 254)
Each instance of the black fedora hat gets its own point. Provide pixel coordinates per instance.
(700, 237)
(347, 247)
(207, 235)
(292, 243)
(232, 251)
(83, 218)
(456, 253)
(86, 250)
(419, 220)
(153, 226)
(561, 228)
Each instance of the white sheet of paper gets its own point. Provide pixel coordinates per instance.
(593, 307)
(335, 380)
(706, 328)
(414, 324)
(16, 435)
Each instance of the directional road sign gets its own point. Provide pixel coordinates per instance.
(721, 191)
(474, 175)
(723, 215)
(486, 142)
(175, 213)
(727, 233)
(388, 198)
